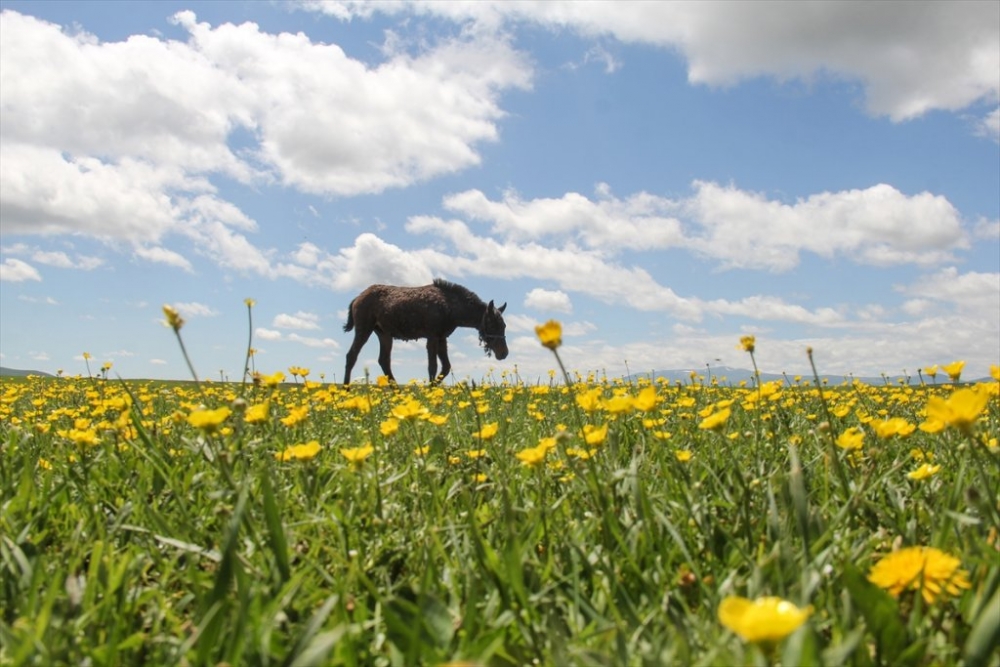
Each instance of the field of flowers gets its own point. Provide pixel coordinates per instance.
(579, 522)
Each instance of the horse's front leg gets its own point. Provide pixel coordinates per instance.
(442, 349)
(360, 338)
(385, 354)
(432, 362)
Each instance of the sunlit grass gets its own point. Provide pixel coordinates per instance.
(601, 523)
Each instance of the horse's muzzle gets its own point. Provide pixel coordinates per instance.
(500, 351)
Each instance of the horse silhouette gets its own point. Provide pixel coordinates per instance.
(432, 312)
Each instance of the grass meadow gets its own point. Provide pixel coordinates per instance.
(576, 522)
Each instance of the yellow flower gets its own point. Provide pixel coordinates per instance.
(422, 451)
(852, 438)
(925, 569)
(931, 426)
(715, 421)
(931, 370)
(44, 464)
(895, 426)
(250, 303)
(357, 455)
(954, 370)
(589, 400)
(646, 400)
(960, 410)
(295, 415)
(208, 421)
(995, 372)
(476, 453)
(595, 435)
(389, 426)
(617, 405)
(924, 471)
(532, 456)
(83, 436)
(683, 455)
(550, 334)
(299, 452)
(767, 619)
(258, 413)
(411, 409)
(174, 320)
(86, 356)
(274, 379)
(480, 478)
(487, 432)
(748, 343)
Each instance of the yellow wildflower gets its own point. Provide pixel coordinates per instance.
(487, 431)
(924, 471)
(748, 343)
(174, 320)
(595, 435)
(852, 438)
(550, 334)
(895, 426)
(767, 619)
(410, 409)
(357, 455)
(389, 426)
(208, 421)
(925, 569)
(683, 455)
(532, 456)
(299, 452)
(961, 409)
(715, 421)
(954, 370)
(258, 413)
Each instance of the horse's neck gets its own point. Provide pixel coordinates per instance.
(469, 314)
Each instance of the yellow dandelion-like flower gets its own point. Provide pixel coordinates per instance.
(647, 399)
(683, 455)
(357, 455)
(208, 421)
(410, 409)
(748, 343)
(300, 452)
(174, 320)
(617, 405)
(954, 370)
(422, 451)
(925, 569)
(274, 379)
(487, 431)
(716, 420)
(532, 456)
(595, 435)
(995, 372)
(895, 426)
(960, 410)
(590, 400)
(924, 471)
(764, 620)
(295, 415)
(852, 438)
(250, 303)
(389, 427)
(258, 413)
(550, 334)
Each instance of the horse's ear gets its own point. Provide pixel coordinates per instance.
(503, 307)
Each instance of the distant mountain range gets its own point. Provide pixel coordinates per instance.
(726, 375)
(13, 372)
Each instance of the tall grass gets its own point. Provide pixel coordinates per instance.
(153, 541)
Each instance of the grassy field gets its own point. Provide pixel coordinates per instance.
(599, 523)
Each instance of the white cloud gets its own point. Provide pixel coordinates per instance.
(989, 125)
(911, 57)
(160, 255)
(309, 341)
(548, 300)
(300, 320)
(195, 309)
(61, 260)
(971, 292)
(267, 334)
(15, 271)
(48, 301)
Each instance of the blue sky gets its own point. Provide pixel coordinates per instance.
(662, 178)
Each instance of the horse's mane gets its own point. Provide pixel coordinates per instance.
(461, 292)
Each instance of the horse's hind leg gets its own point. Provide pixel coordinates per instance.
(360, 338)
(385, 354)
(442, 349)
(432, 362)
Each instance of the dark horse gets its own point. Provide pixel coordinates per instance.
(432, 312)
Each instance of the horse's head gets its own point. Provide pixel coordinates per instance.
(492, 331)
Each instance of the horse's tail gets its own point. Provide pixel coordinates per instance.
(350, 317)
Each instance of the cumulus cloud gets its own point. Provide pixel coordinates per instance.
(300, 320)
(15, 271)
(195, 309)
(61, 260)
(159, 115)
(911, 57)
(970, 292)
(548, 300)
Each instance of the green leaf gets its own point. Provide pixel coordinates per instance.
(881, 614)
(275, 528)
(984, 639)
